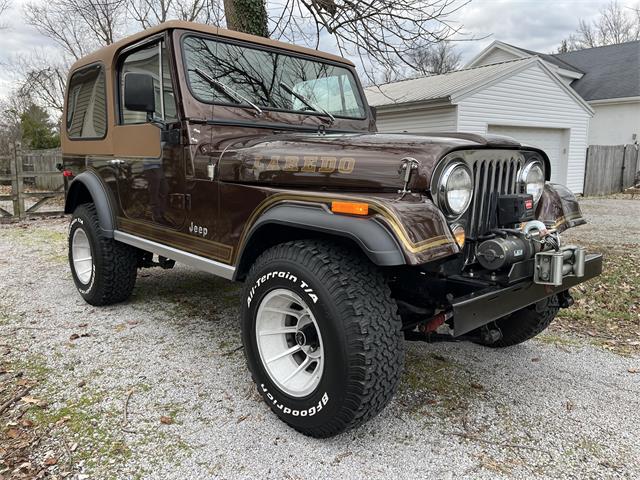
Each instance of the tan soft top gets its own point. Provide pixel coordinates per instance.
(107, 53)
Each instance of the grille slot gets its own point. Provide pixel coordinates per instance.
(496, 175)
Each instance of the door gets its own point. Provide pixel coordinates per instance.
(554, 142)
(151, 189)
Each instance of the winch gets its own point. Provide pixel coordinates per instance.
(504, 250)
(504, 247)
(508, 246)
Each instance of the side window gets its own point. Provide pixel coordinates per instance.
(86, 104)
(153, 60)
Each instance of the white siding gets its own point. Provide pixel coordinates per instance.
(615, 124)
(497, 55)
(530, 98)
(416, 121)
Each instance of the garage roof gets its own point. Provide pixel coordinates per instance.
(451, 87)
(440, 87)
(611, 71)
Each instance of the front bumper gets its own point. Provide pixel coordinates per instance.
(483, 306)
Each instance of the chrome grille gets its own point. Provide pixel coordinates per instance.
(490, 175)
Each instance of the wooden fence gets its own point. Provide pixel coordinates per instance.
(610, 168)
(29, 179)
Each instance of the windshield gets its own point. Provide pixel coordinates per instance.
(264, 78)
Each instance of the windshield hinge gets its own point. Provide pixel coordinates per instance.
(322, 130)
(196, 121)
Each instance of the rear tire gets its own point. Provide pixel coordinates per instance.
(104, 270)
(524, 324)
(355, 356)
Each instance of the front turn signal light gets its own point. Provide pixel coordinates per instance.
(352, 208)
(459, 234)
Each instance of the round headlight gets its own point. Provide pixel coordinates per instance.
(532, 177)
(456, 189)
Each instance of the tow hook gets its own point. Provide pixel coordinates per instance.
(565, 300)
(426, 331)
(490, 335)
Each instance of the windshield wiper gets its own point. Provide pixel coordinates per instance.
(228, 91)
(316, 108)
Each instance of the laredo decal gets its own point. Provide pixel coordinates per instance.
(307, 164)
(297, 413)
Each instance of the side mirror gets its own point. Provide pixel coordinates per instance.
(139, 94)
(374, 112)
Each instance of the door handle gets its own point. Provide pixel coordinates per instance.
(116, 162)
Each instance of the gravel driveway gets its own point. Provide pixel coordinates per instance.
(157, 387)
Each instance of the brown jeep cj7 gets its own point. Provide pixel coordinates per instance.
(259, 161)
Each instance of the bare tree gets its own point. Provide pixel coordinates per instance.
(149, 12)
(4, 6)
(41, 80)
(11, 109)
(203, 11)
(78, 26)
(564, 46)
(146, 13)
(381, 33)
(435, 59)
(616, 24)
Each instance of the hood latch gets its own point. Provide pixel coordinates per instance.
(408, 165)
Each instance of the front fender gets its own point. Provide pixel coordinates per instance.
(372, 237)
(409, 231)
(558, 208)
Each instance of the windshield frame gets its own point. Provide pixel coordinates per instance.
(358, 87)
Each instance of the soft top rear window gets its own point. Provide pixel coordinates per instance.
(86, 104)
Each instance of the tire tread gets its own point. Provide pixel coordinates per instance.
(118, 263)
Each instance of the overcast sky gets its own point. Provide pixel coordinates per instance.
(533, 24)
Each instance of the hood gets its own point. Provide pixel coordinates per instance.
(358, 161)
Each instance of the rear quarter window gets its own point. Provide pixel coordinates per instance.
(86, 104)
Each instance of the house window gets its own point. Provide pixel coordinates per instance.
(86, 104)
(152, 60)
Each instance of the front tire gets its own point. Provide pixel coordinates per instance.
(104, 270)
(321, 335)
(523, 324)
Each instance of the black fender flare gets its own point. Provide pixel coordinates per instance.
(89, 182)
(373, 238)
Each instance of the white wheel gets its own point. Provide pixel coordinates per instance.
(289, 343)
(81, 255)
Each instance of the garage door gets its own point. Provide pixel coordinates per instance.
(552, 140)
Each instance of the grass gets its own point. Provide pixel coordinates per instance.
(91, 425)
(80, 416)
(435, 383)
(51, 243)
(91, 419)
(607, 309)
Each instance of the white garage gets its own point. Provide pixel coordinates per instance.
(522, 99)
(554, 141)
